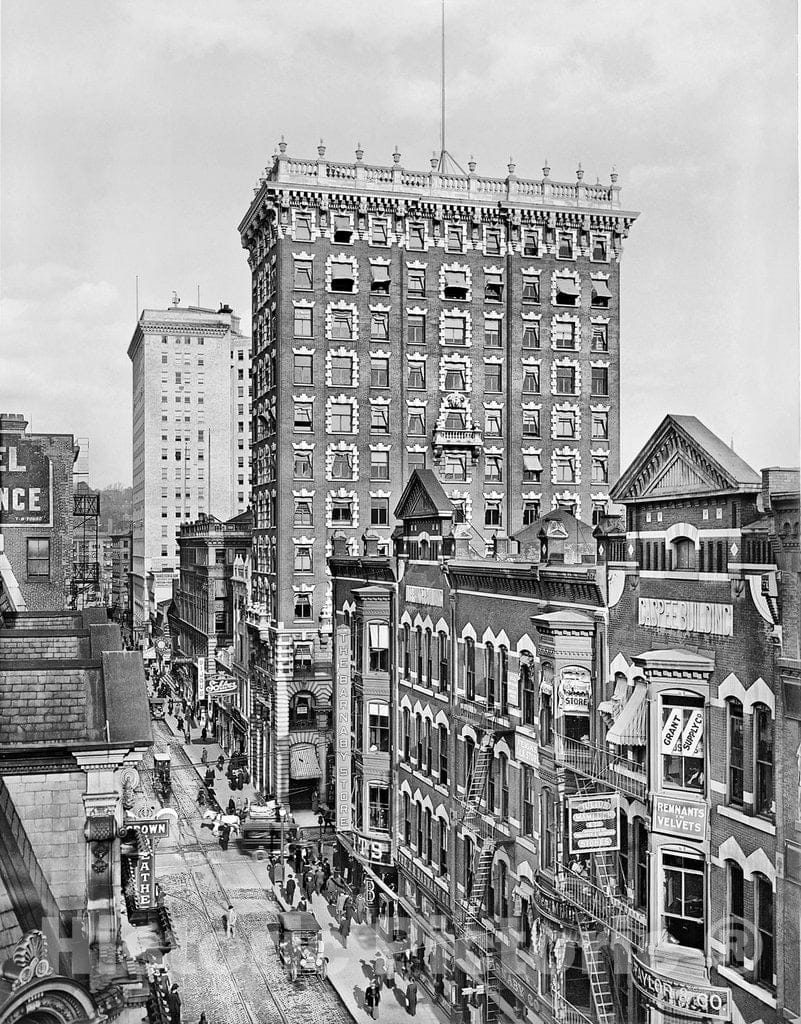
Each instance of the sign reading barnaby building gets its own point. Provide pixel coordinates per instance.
(26, 483)
(343, 753)
(687, 616)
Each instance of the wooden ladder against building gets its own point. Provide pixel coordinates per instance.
(598, 972)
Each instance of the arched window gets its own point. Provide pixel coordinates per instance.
(467, 865)
(469, 759)
(406, 644)
(735, 904)
(503, 676)
(443, 847)
(301, 710)
(489, 674)
(527, 693)
(641, 867)
(503, 785)
(470, 668)
(429, 747)
(419, 646)
(442, 647)
(428, 666)
(736, 752)
(547, 831)
(763, 761)
(546, 706)
(418, 736)
(443, 754)
(683, 553)
(406, 728)
(418, 817)
(501, 897)
(427, 836)
(683, 741)
(623, 856)
(407, 819)
(764, 966)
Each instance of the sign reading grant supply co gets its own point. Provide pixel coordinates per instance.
(26, 483)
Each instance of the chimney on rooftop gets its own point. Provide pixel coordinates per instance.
(224, 308)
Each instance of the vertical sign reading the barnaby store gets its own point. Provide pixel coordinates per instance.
(343, 752)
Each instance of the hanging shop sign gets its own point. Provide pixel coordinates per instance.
(343, 754)
(201, 679)
(378, 851)
(687, 616)
(575, 689)
(218, 685)
(679, 817)
(26, 483)
(594, 823)
(682, 999)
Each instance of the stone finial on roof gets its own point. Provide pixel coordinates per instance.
(359, 151)
(321, 149)
(396, 155)
(614, 176)
(579, 172)
(282, 145)
(471, 164)
(511, 165)
(546, 170)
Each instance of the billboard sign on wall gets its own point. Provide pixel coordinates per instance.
(594, 823)
(343, 752)
(26, 483)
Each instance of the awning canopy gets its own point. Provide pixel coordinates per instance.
(342, 223)
(341, 271)
(455, 279)
(532, 462)
(379, 272)
(303, 763)
(630, 728)
(601, 289)
(567, 286)
(615, 705)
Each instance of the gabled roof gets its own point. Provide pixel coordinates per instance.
(423, 498)
(683, 457)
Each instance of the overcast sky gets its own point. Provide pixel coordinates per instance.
(133, 133)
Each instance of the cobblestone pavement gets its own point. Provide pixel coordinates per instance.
(239, 980)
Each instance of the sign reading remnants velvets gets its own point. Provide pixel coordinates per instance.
(679, 817)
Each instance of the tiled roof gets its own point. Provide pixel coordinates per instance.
(725, 456)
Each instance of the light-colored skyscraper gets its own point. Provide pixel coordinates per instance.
(191, 426)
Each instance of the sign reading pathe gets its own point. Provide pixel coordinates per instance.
(26, 483)
(687, 616)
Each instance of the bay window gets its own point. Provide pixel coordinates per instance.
(683, 899)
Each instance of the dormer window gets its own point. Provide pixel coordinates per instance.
(342, 276)
(567, 291)
(343, 229)
(379, 279)
(493, 288)
(456, 285)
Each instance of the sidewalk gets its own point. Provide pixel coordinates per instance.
(350, 970)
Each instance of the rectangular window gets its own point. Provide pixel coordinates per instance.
(493, 378)
(763, 762)
(531, 335)
(379, 372)
(303, 322)
(379, 232)
(302, 515)
(565, 380)
(342, 278)
(531, 380)
(600, 426)
(379, 465)
(379, 326)
(342, 371)
(379, 419)
(567, 291)
(565, 469)
(532, 468)
(531, 243)
(600, 469)
(492, 241)
(493, 288)
(454, 238)
(379, 279)
(600, 338)
(378, 807)
(343, 229)
(564, 334)
(599, 250)
(531, 289)
(378, 713)
(736, 753)
(342, 466)
(454, 467)
(302, 373)
(38, 558)
(529, 795)
(601, 296)
(303, 558)
(342, 324)
(531, 423)
(493, 422)
(417, 237)
(565, 425)
(492, 333)
(531, 512)
(493, 468)
(417, 281)
(600, 381)
(683, 899)
(342, 418)
(379, 512)
(417, 376)
(303, 227)
(565, 246)
(416, 460)
(303, 274)
(416, 422)
(454, 330)
(303, 416)
(417, 329)
(303, 606)
(682, 743)
(764, 967)
(302, 466)
(456, 284)
(492, 513)
(342, 512)
(455, 379)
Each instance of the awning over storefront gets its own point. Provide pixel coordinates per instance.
(303, 763)
(630, 728)
(616, 704)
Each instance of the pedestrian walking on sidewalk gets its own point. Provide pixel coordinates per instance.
(290, 889)
(344, 928)
(174, 1003)
(379, 969)
(308, 883)
(372, 997)
(204, 756)
(180, 724)
(225, 835)
(390, 976)
(411, 996)
(230, 922)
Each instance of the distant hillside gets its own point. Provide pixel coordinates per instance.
(116, 506)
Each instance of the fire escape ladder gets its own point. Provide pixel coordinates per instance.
(598, 973)
(478, 778)
(606, 872)
(480, 877)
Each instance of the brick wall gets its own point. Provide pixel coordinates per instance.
(52, 812)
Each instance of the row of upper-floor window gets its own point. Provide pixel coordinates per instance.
(420, 234)
(181, 339)
(454, 375)
(454, 283)
(453, 328)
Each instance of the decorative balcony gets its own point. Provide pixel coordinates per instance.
(551, 903)
(256, 617)
(601, 765)
(607, 909)
(451, 439)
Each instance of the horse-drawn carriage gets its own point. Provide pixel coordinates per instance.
(161, 773)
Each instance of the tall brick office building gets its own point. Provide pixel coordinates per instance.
(404, 320)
